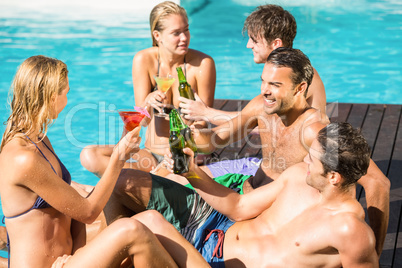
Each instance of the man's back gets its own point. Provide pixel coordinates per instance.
(298, 230)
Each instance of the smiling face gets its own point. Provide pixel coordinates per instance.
(261, 49)
(175, 36)
(277, 89)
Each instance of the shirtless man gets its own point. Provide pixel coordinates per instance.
(268, 27)
(308, 217)
(287, 126)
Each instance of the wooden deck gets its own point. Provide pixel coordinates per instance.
(382, 126)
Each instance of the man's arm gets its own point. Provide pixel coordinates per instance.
(377, 187)
(228, 202)
(316, 96)
(208, 140)
(199, 111)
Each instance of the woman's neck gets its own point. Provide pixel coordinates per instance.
(170, 60)
(36, 136)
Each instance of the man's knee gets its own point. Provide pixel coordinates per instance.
(89, 158)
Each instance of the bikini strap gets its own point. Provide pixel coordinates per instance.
(42, 152)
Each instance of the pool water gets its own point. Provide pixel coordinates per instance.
(355, 46)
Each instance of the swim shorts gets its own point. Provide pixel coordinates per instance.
(179, 205)
(197, 221)
(245, 166)
(232, 181)
(210, 237)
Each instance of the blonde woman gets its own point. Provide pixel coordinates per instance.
(45, 217)
(170, 49)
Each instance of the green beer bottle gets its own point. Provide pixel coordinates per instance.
(185, 131)
(177, 144)
(184, 87)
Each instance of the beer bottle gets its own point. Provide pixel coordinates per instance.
(184, 87)
(186, 132)
(177, 144)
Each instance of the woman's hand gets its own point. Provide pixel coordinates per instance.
(128, 145)
(155, 100)
(194, 110)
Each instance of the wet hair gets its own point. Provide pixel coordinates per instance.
(38, 81)
(271, 22)
(295, 59)
(159, 14)
(345, 151)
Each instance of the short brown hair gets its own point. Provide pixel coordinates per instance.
(271, 22)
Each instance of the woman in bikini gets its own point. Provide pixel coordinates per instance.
(170, 49)
(44, 215)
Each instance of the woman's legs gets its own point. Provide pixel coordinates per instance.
(125, 237)
(184, 254)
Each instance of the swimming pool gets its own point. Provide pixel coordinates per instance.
(356, 48)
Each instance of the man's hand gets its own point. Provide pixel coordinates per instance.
(193, 110)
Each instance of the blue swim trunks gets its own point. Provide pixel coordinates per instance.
(245, 166)
(210, 236)
(197, 221)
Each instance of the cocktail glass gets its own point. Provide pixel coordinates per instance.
(164, 83)
(131, 118)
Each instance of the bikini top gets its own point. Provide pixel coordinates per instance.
(185, 73)
(40, 203)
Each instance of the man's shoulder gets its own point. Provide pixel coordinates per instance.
(348, 226)
(312, 122)
(294, 172)
(254, 107)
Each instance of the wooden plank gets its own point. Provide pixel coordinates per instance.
(388, 157)
(398, 250)
(330, 108)
(232, 150)
(357, 114)
(395, 175)
(370, 129)
(219, 103)
(341, 112)
(234, 105)
(372, 123)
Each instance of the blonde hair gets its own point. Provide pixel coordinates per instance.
(159, 14)
(34, 88)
